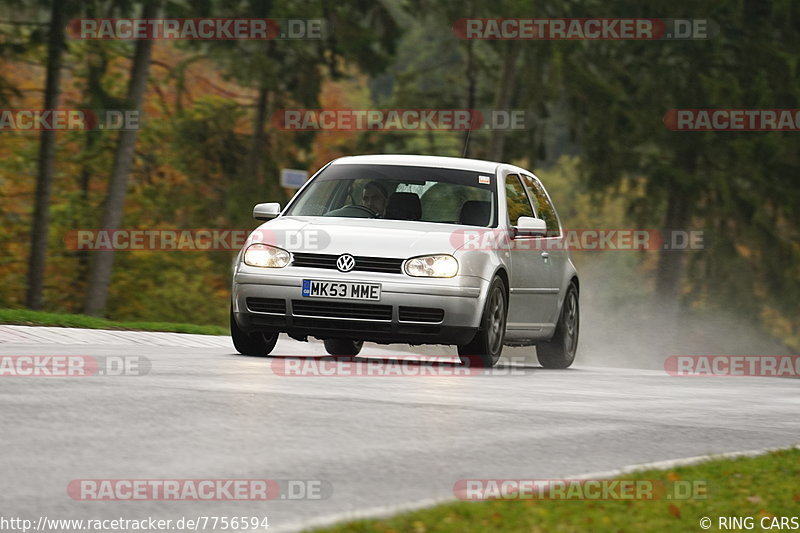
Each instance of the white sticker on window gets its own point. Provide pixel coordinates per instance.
(485, 180)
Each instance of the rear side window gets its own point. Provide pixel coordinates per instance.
(445, 202)
(544, 207)
(516, 200)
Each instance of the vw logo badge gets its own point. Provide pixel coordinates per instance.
(345, 263)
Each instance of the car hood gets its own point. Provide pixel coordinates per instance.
(358, 236)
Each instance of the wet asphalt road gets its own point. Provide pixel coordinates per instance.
(372, 443)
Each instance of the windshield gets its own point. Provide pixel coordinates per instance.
(401, 192)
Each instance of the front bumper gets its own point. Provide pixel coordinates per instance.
(408, 311)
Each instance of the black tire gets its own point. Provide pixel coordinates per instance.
(484, 350)
(559, 352)
(343, 347)
(257, 344)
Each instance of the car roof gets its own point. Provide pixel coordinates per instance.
(477, 165)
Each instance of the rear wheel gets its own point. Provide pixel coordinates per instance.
(485, 348)
(257, 344)
(559, 352)
(343, 347)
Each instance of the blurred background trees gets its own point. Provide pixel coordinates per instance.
(207, 150)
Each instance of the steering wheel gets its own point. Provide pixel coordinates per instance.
(372, 214)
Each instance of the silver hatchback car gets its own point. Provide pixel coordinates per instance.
(415, 250)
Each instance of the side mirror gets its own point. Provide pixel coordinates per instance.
(266, 211)
(531, 226)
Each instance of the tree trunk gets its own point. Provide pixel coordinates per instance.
(502, 101)
(249, 185)
(254, 166)
(85, 181)
(96, 98)
(100, 275)
(670, 263)
(669, 271)
(253, 182)
(47, 153)
(471, 89)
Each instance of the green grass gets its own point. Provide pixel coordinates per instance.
(760, 486)
(26, 317)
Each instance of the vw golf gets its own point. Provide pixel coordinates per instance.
(415, 250)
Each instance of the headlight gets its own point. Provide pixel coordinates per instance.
(264, 255)
(432, 266)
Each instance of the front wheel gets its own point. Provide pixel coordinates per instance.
(485, 348)
(559, 352)
(343, 347)
(257, 344)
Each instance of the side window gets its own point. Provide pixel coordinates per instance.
(516, 200)
(543, 205)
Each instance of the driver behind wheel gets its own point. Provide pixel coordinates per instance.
(374, 197)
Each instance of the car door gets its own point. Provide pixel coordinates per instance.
(530, 305)
(550, 248)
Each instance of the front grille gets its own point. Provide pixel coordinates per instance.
(421, 314)
(342, 310)
(388, 265)
(267, 305)
(334, 327)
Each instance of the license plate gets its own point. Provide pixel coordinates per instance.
(341, 289)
